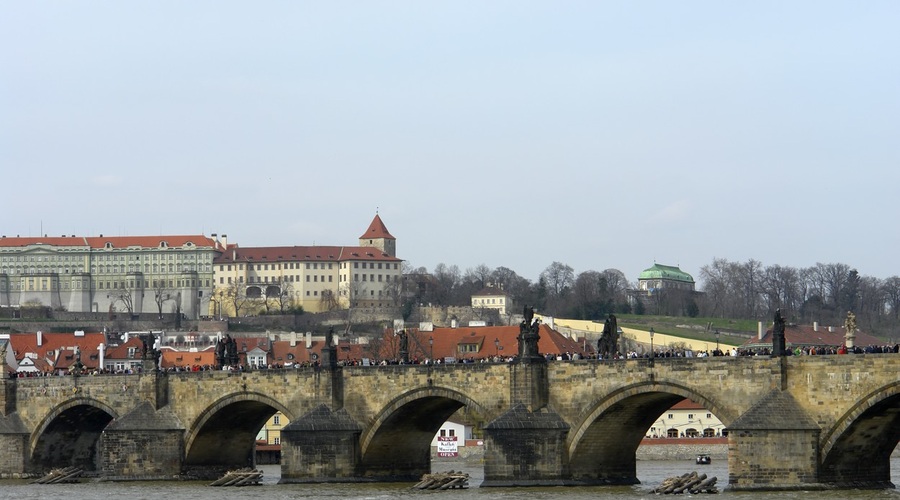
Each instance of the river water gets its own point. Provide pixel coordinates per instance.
(651, 474)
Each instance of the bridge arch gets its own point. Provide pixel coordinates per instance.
(858, 447)
(224, 433)
(69, 433)
(603, 443)
(398, 442)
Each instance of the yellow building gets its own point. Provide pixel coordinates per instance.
(316, 278)
(271, 431)
(491, 297)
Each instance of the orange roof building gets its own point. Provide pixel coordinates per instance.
(316, 278)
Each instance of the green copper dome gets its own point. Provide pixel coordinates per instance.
(659, 271)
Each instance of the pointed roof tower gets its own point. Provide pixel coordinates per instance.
(378, 236)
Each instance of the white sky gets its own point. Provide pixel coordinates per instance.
(597, 134)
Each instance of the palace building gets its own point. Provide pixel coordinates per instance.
(131, 274)
(316, 278)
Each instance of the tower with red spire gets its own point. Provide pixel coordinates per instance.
(378, 236)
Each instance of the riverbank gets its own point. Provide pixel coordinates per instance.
(650, 449)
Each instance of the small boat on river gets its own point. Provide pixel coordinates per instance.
(703, 459)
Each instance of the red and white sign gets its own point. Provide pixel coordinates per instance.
(447, 446)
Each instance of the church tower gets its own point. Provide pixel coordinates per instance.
(379, 237)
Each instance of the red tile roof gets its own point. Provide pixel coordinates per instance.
(121, 351)
(27, 342)
(377, 229)
(488, 341)
(170, 358)
(96, 242)
(303, 254)
(492, 291)
(802, 335)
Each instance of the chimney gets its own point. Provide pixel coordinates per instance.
(830, 329)
(293, 339)
(308, 340)
(815, 326)
(40, 338)
(224, 241)
(760, 330)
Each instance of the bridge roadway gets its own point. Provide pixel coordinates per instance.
(794, 422)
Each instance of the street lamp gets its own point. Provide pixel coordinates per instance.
(431, 346)
(497, 346)
(652, 354)
(717, 341)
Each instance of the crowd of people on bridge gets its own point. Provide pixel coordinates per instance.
(659, 354)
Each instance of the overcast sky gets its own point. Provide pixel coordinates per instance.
(597, 134)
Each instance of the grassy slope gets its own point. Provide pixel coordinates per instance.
(703, 329)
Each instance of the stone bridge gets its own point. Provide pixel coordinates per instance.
(794, 422)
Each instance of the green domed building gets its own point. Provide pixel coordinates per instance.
(661, 277)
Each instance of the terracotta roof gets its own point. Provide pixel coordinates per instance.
(27, 342)
(377, 229)
(446, 342)
(170, 358)
(492, 291)
(302, 254)
(687, 404)
(801, 335)
(59, 241)
(97, 242)
(121, 351)
(283, 353)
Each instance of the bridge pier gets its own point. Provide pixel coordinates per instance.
(143, 445)
(774, 446)
(524, 448)
(319, 447)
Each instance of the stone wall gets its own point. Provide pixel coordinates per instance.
(681, 449)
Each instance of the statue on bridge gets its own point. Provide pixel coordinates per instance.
(608, 345)
(528, 337)
(404, 346)
(850, 330)
(149, 352)
(778, 344)
(226, 352)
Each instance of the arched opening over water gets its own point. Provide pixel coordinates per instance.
(225, 436)
(398, 446)
(604, 448)
(70, 438)
(858, 453)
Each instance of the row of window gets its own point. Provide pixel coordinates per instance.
(171, 268)
(104, 258)
(50, 284)
(487, 301)
(309, 265)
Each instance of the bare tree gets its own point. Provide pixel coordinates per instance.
(329, 301)
(590, 297)
(891, 289)
(285, 296)
(162, 294)
(446, 281)
(559, 279)
(235, 295)
(125, 296)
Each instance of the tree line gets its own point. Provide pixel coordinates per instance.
(821, 293)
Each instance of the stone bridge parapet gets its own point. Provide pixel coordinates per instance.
(793, 422)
